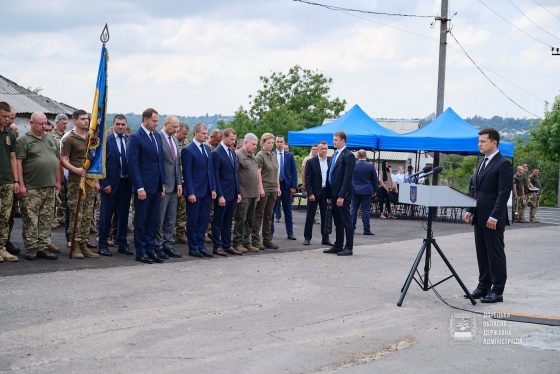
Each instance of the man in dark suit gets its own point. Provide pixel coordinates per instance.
(365, 183)
(145, 167)
(340, 192)
(168, 205)
(288, 175)
(199, 189)
(115, 189)
(316, 169)
(493, 185)
(472, 181)
(228, 193)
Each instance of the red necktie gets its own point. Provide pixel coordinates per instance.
(172, 149)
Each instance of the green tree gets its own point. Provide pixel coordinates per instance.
(546, 137)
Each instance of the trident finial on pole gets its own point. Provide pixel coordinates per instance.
(104, 35)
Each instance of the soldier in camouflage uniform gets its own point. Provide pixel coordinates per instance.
(8, 177)
(518, 195)
(214, 141)
(523, 207)
(38, 167)
(60, 124)
(71, 157)
(535, 181)
(181, 222)
(15, 203)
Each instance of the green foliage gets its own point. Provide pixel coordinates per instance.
(547, 132)
(36, 90)
(457, 171)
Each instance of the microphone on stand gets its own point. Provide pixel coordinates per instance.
(436, 170)
(414, 177)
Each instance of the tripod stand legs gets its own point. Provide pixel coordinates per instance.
(430, 241)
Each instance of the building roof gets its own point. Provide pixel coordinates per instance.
(26, 101)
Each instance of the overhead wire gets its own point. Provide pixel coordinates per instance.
(529, 35)
(546, 9)
(337, 8)
(437, 40)
(489, 80)
(532, 20)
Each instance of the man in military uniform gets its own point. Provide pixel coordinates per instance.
(9, 182)
(518, 196)
(521, 210)
(535, 181)
(60, 125)
(213, 141)
(12, 249)
(38, 172)
(72, 157)
(181, 134)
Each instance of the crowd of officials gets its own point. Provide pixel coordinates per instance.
(214, 189)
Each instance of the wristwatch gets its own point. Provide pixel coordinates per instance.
(16, 181)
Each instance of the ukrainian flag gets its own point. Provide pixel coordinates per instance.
(94, 162)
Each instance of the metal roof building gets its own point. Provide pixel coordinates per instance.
(26, 101)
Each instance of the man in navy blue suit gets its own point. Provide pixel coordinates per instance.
(340, 192)
(493, 186)
(288, 175)
(365, 183)
(199, 189)
(145, 166)
(115, 189)
(228, 193)
(316, 169)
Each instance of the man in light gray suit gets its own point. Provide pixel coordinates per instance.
(168, 206)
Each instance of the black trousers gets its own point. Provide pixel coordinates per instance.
(384, 198)
(491, 258)
(343, 222)
(321, 201)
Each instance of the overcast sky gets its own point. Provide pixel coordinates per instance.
(193, 57)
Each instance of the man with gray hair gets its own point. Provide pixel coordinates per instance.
(249, 183)
(168, 204)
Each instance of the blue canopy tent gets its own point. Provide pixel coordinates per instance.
(448, 133)
(362, 131)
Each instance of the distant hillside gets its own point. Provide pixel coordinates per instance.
(134, 120)
(509, 128)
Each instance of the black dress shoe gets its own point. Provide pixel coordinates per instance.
(205, 253)
(332, 249)
(125, 251)
(492, 298)
(478, 294)
(291, 237)
(195, 254)
(144, 258)
(160, 254)
(171, 252)
(345, 252)
(306, 242)
(155, 257)
(369, 233)
(327, 242)
(104, 251)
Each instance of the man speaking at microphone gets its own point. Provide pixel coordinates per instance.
(493, 185)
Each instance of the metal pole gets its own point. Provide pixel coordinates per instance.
(441, 72)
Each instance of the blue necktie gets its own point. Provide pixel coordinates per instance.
(332, 166)
(281, 166)
(124, 165)
(154, 141)
(231, 156)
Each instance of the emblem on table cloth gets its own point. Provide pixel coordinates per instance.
(413, 194)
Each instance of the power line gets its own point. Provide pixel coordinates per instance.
(489, 80)
(546, 9)
(532, 20)
(434, 39)
(493, 11)
(337, 8)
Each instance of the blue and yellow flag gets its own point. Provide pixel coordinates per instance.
(94, 162)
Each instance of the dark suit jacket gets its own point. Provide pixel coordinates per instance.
(365, 178)
(145, 162)
(343, 169)
(290, 170)
(112, 164)
(226, 174)
(198, 171)
(172, 167)
(472, 182)
(313, 177)
(493, 186)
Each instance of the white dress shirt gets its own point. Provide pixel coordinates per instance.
(324, 164)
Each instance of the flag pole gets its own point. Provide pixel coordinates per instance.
(104, 37)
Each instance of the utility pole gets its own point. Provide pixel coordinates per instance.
(441, 72)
